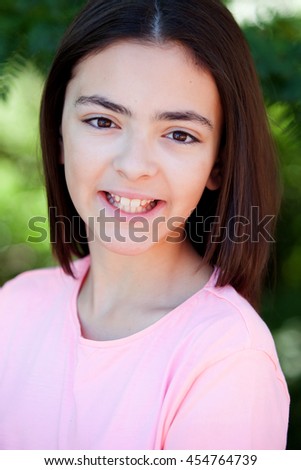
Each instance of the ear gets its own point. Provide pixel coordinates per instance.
(215, 179)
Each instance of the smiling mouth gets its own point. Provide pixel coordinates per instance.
(132, 206)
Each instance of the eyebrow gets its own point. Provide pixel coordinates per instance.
(185, 116)
(162, 116)
(100, 101)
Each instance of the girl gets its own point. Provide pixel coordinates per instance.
(161, 179)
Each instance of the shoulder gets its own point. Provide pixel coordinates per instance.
(223, 336)
(40, 286)
(223, 323)
(231, 308)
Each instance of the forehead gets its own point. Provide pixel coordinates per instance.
(135, 48)
(133, 73)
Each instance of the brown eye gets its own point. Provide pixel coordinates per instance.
(101, 123)
(182, 137)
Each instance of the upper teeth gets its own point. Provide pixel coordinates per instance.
(131, 205)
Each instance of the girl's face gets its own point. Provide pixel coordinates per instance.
(141, 128)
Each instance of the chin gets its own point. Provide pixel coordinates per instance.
(128, 247)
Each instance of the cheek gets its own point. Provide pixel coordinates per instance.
(77, 174)
(79, 160)
(74, 172)
(191, 186)
(191, 181)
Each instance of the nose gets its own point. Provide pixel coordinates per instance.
(136, 159)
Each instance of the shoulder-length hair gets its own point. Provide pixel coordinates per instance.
(239, 218)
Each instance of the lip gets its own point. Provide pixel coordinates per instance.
(132, 195)
(151, 214)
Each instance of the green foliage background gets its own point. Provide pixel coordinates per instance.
(30, 32)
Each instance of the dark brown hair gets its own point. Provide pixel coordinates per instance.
(249, 193)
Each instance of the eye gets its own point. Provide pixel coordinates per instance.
(182, 137)
(101, 123)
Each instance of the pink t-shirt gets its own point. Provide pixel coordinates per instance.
(205, 376)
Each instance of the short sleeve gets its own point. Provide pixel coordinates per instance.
(240, 402)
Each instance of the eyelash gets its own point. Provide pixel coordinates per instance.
(97, 119)
(192, 140)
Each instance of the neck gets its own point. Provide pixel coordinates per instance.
(147, 270)
(157, 280)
